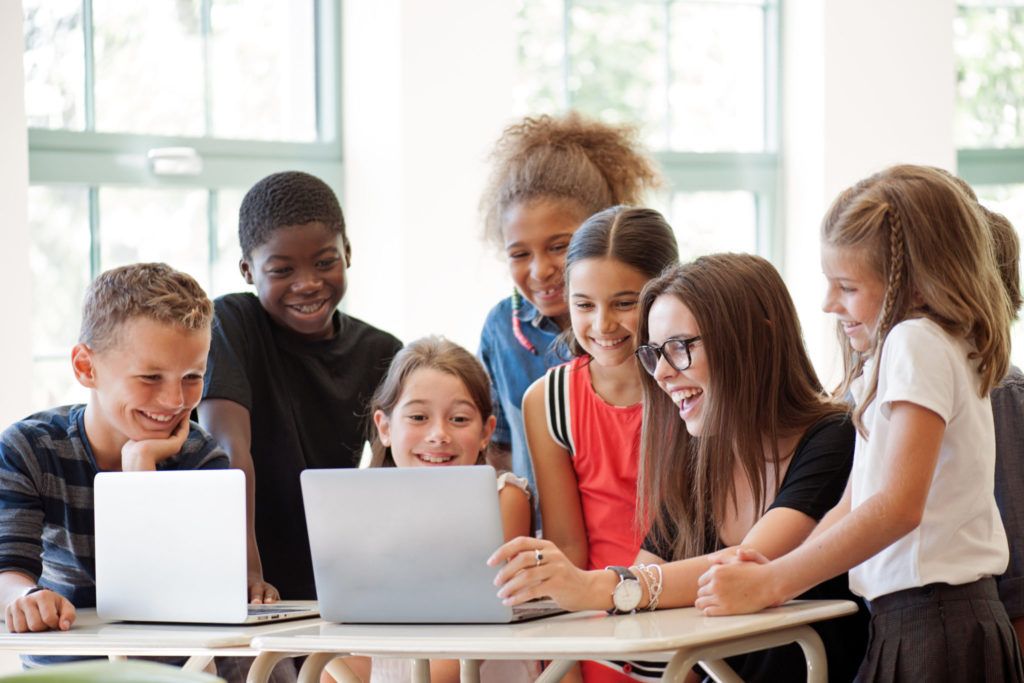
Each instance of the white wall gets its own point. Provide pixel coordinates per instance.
(866, 84)
(427, 91)
(15, 275)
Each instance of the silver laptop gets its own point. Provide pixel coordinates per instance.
(407, 545)
(170, 547)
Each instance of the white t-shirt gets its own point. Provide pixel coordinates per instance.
(961, 537)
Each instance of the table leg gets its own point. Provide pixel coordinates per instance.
(314, 666)
(340, 670)
(814, 650)
(555, 670)
(421, 671)
(263, 665)
(469, 671)
(197, 662)
(805, 636)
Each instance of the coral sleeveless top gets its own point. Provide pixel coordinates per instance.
(604, 442)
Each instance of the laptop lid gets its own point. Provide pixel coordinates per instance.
(405, 545)
(170, 546)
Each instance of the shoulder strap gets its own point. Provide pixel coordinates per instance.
(556, 406)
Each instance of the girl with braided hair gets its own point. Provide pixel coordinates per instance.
(925, 323)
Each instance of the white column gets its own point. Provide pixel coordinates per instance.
(866, 84)
(15, 273)
(427, 91)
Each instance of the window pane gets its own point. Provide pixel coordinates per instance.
(539, 86)
(54, 72)
(989, 44)
(1009, 201)
(690, 73)
(263, 70)
(617, 63)
(717, 96)
(224, 268)
(155, 225)
(59, 229)
(149, 68)
(709, 222)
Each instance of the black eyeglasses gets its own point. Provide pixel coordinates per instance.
(675, 351)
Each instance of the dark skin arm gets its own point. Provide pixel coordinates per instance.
(228, 422)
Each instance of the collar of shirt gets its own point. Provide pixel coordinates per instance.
(529, 313)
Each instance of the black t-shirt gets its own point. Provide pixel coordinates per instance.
(307, 403)
(813, 484)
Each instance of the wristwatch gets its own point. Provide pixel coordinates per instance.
(627, 594)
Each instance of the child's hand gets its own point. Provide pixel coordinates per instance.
(40, 611)
(740, 587)
(537, 569)
(143, 456)
(737, 554)
(261, 592)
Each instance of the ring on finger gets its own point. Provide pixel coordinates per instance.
(538, 556)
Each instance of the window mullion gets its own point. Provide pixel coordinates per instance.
(90, 65)
(205, 21)
(212, 233)
(95, 264)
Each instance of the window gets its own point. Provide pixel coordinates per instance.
(989, 50)
(147, 123)
(700, 79)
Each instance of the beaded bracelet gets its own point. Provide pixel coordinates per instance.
(653, 579)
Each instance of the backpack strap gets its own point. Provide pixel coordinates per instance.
(556, 406)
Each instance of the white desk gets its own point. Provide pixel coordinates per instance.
(564, 639)
(91, 636)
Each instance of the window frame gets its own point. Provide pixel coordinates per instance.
(90, 159)
(759, 173)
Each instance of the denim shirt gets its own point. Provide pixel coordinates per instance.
(513, 369)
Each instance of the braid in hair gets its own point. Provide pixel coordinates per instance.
(886, 317)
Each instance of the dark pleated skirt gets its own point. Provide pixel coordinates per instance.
(939, 633)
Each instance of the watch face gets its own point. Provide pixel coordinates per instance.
(627, 595)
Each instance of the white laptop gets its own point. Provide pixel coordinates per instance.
(407, 545)
(170, 547)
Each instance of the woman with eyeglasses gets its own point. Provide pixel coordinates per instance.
(740, 446)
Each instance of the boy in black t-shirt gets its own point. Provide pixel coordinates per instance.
(289, 376)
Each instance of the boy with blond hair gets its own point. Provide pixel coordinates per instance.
(141, 353)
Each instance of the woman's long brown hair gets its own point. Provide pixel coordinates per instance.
(761, 388)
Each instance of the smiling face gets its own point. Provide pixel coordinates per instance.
(603, 305)
(537, 235)
(299, 275)
(434, 423)
(855, 294)
(670, 318)
(143, 385)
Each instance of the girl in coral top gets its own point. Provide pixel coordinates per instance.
(583, 418)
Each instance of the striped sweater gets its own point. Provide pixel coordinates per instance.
(46, 498)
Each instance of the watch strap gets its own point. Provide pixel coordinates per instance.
(624, 575)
